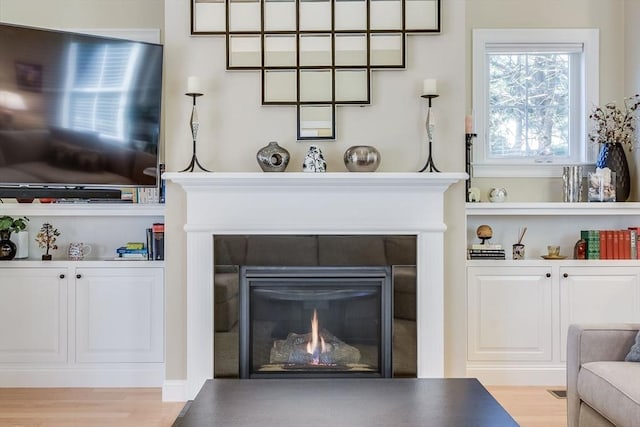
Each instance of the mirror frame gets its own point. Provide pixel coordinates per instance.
(200, 13)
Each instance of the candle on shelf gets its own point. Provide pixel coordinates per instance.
(468, 124)
(429, 87)
(193, 85)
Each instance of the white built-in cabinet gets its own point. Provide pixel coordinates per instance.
(519, 311)
(92, 323)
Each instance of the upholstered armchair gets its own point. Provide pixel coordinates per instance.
(602, 389)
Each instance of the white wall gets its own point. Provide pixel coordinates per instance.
(632, 77)
(63, 14)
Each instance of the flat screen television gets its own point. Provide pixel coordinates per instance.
(79, 114)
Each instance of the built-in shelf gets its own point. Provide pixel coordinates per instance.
(552, 208)
(82, 209)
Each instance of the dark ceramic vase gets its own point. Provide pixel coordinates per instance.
(8, 249)
(612, 156)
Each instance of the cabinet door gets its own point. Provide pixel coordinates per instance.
(33, 315)
(509, 315)
(119, 314)
(604, 294)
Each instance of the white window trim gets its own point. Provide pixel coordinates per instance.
(589, 38)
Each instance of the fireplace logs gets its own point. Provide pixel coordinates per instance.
(293, 351)
(317, 348)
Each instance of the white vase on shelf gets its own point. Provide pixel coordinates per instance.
(21, 239)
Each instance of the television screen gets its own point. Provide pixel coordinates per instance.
(77, 111)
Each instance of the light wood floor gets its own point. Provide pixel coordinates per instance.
(142, 407)
(532, 406)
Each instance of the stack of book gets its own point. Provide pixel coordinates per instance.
(485, 251)
(132, 251)
(155, 241)
(611, 244)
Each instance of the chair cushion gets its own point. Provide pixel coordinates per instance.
(400, 250)
(226, 315)
(404, 292)
(351, 250)
(612, 388)
(229, 250)
(225, 286)
(282, 250)
(634, 353)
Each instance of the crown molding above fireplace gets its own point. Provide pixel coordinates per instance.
(322, 203)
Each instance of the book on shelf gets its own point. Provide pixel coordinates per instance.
(135, 253)
(125, 250)
(157, 241)
(142, 194)
(150, 243)
(134, 245)
(486, 246)
(485, 253)
(611, 244)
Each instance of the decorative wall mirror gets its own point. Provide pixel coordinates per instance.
(315, 54)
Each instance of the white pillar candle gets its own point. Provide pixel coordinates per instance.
(429, 87)
(468, 124)
(193, 85)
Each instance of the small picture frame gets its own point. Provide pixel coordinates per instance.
(29, 76)
(602, 186)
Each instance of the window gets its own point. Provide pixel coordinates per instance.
(99, 87)
(532, 90)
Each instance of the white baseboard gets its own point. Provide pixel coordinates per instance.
(519, 375)
(174, 391)
(114, 375)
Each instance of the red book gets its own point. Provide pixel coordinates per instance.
(609, 244)
(603, 244)
(616, 245)
(627, 244)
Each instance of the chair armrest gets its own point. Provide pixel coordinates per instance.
(591, 343)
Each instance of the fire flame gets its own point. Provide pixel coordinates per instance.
(312, 346)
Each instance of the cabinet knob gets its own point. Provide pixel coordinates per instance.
(565, 275)
(78, 276)
(548, 274)
(61, 276)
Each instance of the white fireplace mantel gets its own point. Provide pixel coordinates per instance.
(313, 203)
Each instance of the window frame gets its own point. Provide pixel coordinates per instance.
(586, 96)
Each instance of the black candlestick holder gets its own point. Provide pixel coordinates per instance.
(430, 165)
(467, 162)
(195, 124)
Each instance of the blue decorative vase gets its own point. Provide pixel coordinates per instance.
(612, 156)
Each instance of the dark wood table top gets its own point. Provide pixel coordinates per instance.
(455, 402)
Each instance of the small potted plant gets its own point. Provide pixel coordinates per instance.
(8, 225)
(46, 239)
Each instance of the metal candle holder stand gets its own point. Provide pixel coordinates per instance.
(194, 133)
(430, 163)
(467, 162)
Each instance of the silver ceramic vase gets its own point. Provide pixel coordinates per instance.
(273, 158)
(362, 158)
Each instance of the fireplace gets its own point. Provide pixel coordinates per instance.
(303, 203)
(315, 322)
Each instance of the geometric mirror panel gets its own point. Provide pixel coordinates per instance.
(315, 54)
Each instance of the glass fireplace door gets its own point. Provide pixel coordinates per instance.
(315, 322)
